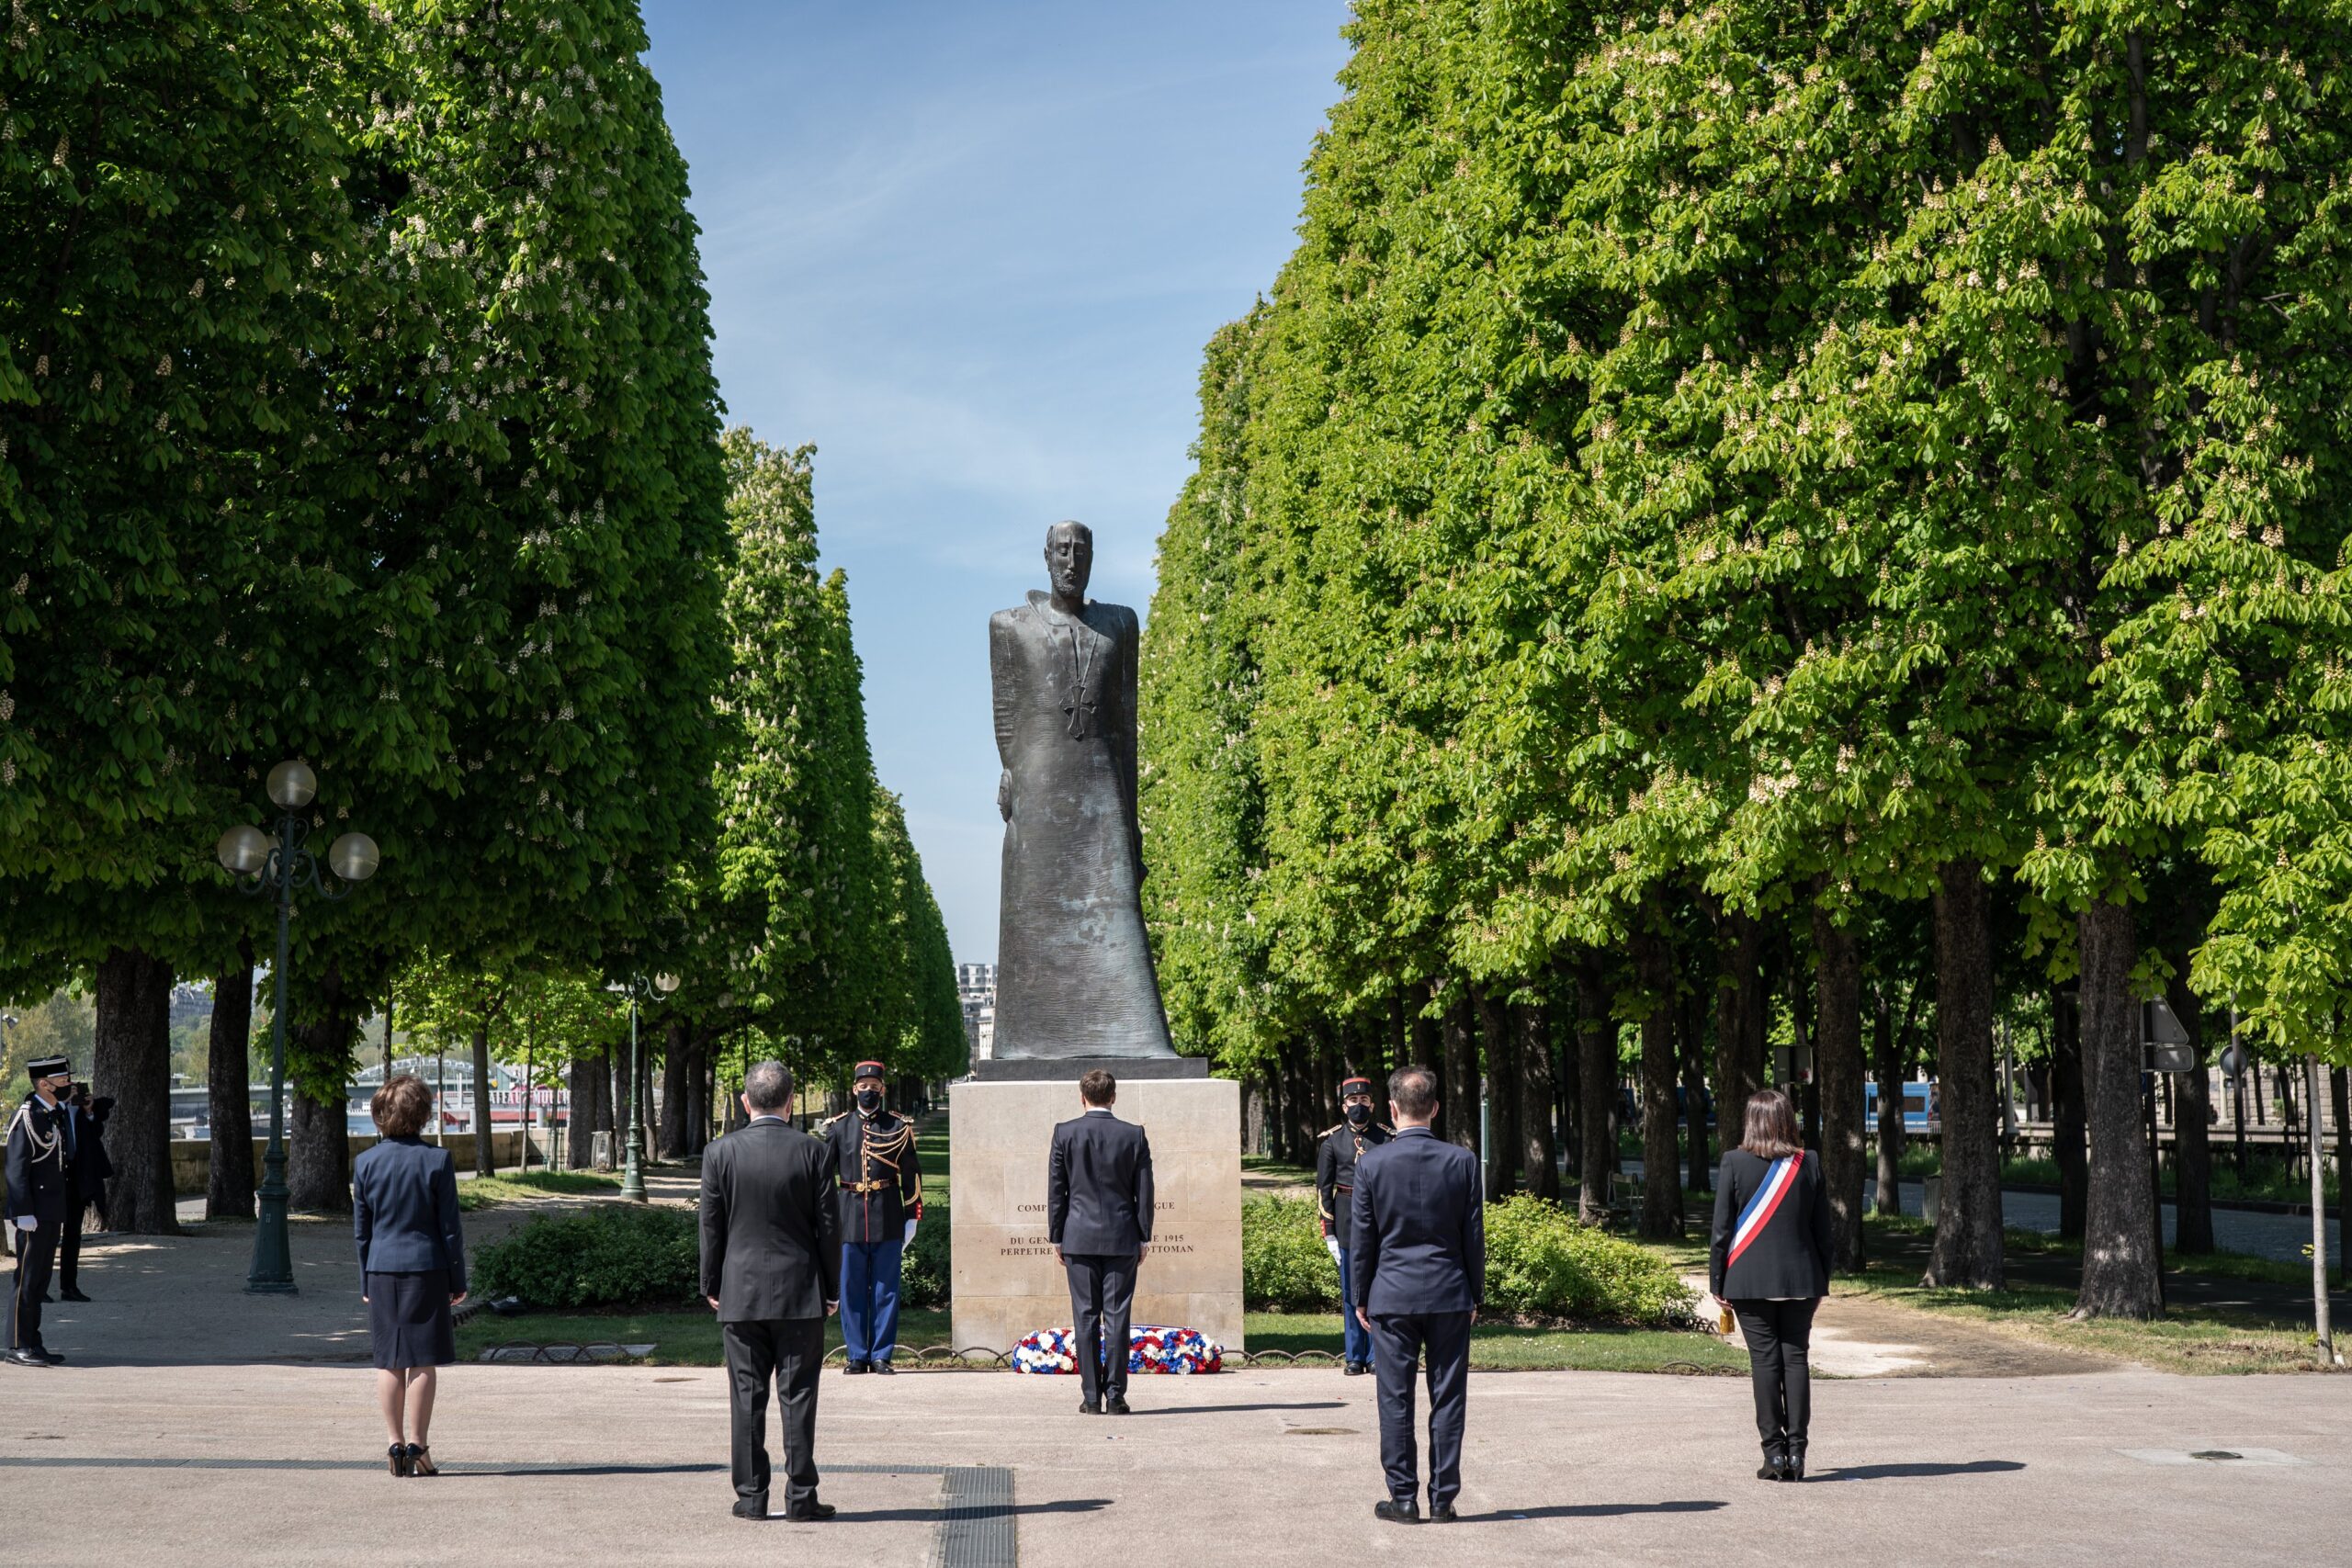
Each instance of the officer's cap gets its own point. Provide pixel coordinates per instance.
(49, 1068)
(1355, 1085)
(868, 1070)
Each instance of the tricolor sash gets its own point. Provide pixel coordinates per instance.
(1764, 1204)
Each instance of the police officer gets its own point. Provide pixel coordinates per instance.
(1335, 1181)
(40, 1181)
(880, 1202)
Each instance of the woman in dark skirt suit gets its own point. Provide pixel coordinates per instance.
(411, 1265)
(1769, 1263)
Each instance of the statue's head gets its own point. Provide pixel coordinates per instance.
(1069, 558)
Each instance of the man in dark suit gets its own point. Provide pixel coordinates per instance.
(1098, 1215)
(87, 1168)
(1419, 1257)
(771, 1262)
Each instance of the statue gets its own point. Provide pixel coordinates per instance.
(1074, 972)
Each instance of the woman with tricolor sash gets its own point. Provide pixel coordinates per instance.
(1769, 1263)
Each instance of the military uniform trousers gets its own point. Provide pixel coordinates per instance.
(1355, 1338)
(787, 1353)
(36, 1256)
(870, 1275)
(1402, 1339)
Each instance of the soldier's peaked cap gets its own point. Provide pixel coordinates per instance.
(868, 1070)
(1348, 1085)
(49, 1068)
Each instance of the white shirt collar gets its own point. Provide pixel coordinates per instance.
(1098, 1111)
(770, 1116)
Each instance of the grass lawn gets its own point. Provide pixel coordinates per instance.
(679, 1339)
(481, 1192)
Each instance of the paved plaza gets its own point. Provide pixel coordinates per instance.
(217, 1429)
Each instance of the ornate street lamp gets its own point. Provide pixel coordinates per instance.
(638, 988)
(281, 862)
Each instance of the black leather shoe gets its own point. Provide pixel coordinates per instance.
(1088, 1407)
(1776, 1459)
(1357, 1369)
(1398, 1511)
(809, 1512)
(751, 1507)
(853, 1368)
(28, 1358)
(73, 1295)
(1117, 1404)
(396, 1459)
(1792, 1468)
(55, 1358)
(885, 1368)
(1443, 1514)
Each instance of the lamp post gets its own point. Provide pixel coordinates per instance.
(279, 862)
(638, 988)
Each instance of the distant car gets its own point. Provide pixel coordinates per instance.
(1922, 1106)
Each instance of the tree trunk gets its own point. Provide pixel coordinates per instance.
(2120, 1264)
(1531, 1022)
(2192, 1145)
(1837, 1071)
(318, 1138)
(485, 1155)
(2068, 1146)
(1428, 1049)
(1661, 1182)
(1888, 1069)
(1805, 1090)
(131, 1062)
(582, 1121)
(1693, 1046)
(1498, 1052)
(1596, 1088)
(1458, 1103)
(676, 1071)
(650, 1106)
(1740, 1025)
(229, 1104)
(1967, 1250)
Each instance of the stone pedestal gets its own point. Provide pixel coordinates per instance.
(1007, 1283)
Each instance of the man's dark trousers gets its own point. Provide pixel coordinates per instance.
(1400, 1340)
(35, 1255)
(68, 1248)
(1101, 1296)
(788, 1352)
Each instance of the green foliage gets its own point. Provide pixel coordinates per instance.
(616, 1255)
(928, 1271)
(1541, 1262)
(1284, 1266)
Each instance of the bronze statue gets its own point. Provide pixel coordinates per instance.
(1074, 972)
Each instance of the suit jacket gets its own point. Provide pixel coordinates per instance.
(1789, 1254)
(404, 1211)
(38, 1184)
(771, 1242)
(91, 1165)
(1420, 1238)
(1098, 1186)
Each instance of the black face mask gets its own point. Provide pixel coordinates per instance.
(1359, 1114)
(869, 1099)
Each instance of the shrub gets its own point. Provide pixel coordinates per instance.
(613, 1254)
(923, 1278)
(1283, 1264)
(1543, 1262)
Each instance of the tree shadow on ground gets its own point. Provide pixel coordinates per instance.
(886, 1516)
(1592, 1511)
(1230, 1409)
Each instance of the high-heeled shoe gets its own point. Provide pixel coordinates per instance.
(420, 1460)
(396, 1459)
(1776, 1460)
(1793, 1467)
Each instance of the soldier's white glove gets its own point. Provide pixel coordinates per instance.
(910, 1232)
(1332, 1246)
(26, 1222)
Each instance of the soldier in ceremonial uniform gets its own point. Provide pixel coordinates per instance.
(1335, 1181)
(40, 1186)
(880, 1202)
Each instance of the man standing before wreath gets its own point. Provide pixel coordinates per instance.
(1098, 1215)
(1419, 1255)
(770, 1261)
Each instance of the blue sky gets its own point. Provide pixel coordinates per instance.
(973, 252)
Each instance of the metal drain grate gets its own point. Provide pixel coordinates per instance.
(976, 1524)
